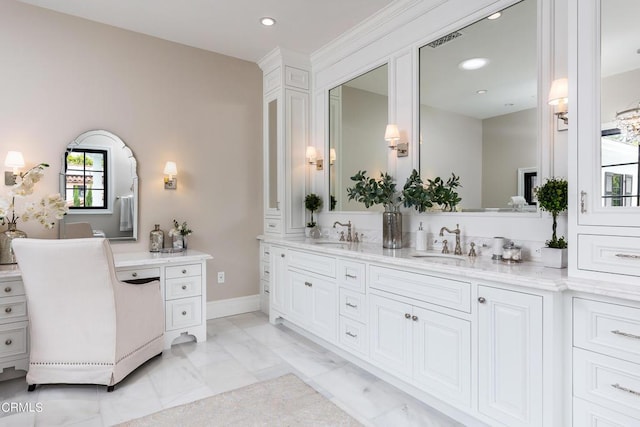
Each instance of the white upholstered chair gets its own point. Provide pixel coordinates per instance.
(86, 326)
(76, 230)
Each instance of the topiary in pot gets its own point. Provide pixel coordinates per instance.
(553, 198)
(312, 202)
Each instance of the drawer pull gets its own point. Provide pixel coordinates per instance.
(184, 313)
(8, 342)
(309, 284)
(414, 318)
(628, 256)
(272, 226)
(350, 276)
(583, 195)
(407, 316)
(267, 253)
(8, 310)
(351, 335)
(626, 334)
(184, 287)
(7, 289)
(184, 271)
(266, 272)
(628, 390)
(134, 274)
(351, 305)
(266, 291)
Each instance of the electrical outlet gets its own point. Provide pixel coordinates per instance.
(220, 276)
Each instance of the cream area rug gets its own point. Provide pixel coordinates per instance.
(284, 401)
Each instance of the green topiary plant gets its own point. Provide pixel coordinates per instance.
(416, 194)
(374, 192)
(312, 202)
(553, 198)
(443, 193)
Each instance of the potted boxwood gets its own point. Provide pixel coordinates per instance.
(312, 202)
(553, 198)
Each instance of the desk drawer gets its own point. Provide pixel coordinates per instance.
(609, 254)
(318, 264)
(138, 273)
(13, 340)
(449, 293)
(183, 271)
(353, 305)
(12, 288)
(183, 287)
(607, 328)
(183, 313)
(351, 275)
(606, 381)
(13, 307)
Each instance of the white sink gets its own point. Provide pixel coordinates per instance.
(439, 255)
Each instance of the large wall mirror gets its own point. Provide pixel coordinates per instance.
(620, 103)
(99, 181)
(478, 108)
(358, 115)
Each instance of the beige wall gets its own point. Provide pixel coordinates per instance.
(61, 76)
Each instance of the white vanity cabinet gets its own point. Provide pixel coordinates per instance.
(510, 356)
(14, 350)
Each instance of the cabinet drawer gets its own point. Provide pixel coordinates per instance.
(183, 312)
(351, 275)
(13, 340)
(449, 293)
(607, 328)
(13, 307)
(606, 381)
(265, 270)
(588, 414)
(183, 287)
(273, 226)
(296, 78)
(609, 254)
(353, 305)
(12, 288)
(138, 273)
(265, 286)
(265, 252)
(183, 271)
(353, 336)
(318, 264)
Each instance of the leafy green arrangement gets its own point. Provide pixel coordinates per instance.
(312, 202)
(553, 198)
(415, 193)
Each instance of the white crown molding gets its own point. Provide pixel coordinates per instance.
(281, 55)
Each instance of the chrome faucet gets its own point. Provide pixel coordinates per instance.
(348, 225)
(458, 249)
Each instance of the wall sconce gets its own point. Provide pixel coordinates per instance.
(312, 159)
(15, 161)
(170, 180)
(332, 156)
(559, 97)
(392, 135)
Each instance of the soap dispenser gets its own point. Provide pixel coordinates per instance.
(421, 239)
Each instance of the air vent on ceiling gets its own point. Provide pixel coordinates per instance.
(444, 39)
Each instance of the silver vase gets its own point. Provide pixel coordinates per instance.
(392, 230)
(6, 237)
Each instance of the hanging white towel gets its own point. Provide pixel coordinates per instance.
(126, 213)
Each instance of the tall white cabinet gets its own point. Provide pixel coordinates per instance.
(286, 88)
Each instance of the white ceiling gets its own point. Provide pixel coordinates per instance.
(230, 27)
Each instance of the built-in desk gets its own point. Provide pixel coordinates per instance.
(183, 281)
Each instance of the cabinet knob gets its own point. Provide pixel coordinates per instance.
(184, 313)
(282, 255)
(134, 274)
(309, 284)
(8, 310)
(482, 300)
(7, 289)
(407, 316)
(184, 271)
(184, 287)
(414, 318)
(8, 342)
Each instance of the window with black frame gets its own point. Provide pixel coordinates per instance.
(86, 179)
(620, 170)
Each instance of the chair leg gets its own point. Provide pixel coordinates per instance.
(110, 388)
(31, 387)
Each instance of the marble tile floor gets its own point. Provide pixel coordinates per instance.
(240, 350)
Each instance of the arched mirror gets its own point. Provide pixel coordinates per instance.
(478, 109)
(99, 181)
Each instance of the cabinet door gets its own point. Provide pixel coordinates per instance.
(442, 355)
(510, 356)
(299, 298)
(277, 279)
(324, 308)
(391, 335)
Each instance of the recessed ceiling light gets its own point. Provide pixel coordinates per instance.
(473, 63)
(494, 16)
(481, 91)
(267, 22)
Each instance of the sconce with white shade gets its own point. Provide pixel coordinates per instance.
(15, 161)
(559, 97)
(392, 136)
(170, 172)
(312, 158)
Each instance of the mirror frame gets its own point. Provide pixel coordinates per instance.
(135, 185)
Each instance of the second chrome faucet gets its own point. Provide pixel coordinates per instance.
(350, 237)
(458, 249)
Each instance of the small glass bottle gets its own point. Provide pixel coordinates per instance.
(156, 239)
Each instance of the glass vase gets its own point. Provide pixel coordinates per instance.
(6, 237)
(392, 229)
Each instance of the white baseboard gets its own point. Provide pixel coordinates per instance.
(231, 306)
